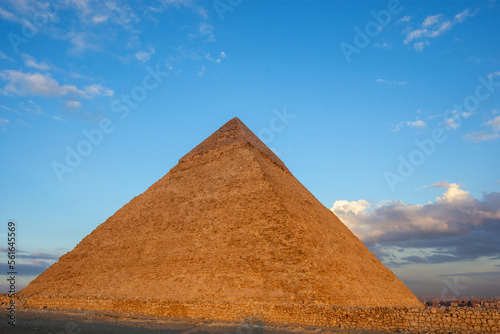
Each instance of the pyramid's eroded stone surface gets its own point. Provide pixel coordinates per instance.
(229, 222)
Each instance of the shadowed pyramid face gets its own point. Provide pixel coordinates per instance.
(228, 222)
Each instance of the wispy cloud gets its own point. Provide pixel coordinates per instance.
(484, 135)
(30, 62)
(494, 74)
(433, 26)
(23, 11)
(388, 82)
(31, 107)
(221, 57)
(206, 30)
(4, 121)
(397, 127)
(58, 118)
(412, 124)
(406, 18)
(460, 17)
(6, 15)
(80, 43)
(145, 55)
(5, 107)
(479, 136)
(24, 84)
(201, 72)
(110, 11)
(383, 45)
(4, 56)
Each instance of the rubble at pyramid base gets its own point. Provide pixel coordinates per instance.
(396, 319)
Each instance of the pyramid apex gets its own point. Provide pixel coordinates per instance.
(232, 132)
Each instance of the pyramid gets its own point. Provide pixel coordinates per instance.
(228, 223)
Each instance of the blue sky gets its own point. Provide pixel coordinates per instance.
(387, 111)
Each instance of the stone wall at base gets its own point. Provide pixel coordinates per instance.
(415, 320)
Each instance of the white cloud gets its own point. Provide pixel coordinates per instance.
(98, 90)
(414, 35)
(455, 227)
(100, 18)
(483, 135)
(72, 105)
(441, 29)
(451, 123)
(432, 20)
(455, 212)
(466, 114)
(20, 83)
(4, 121)
(416, 124)
(23, 84)
(453, 193)
(356, 207)
(145, 55)
(29, 61)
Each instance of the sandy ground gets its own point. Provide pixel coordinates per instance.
(83, 322)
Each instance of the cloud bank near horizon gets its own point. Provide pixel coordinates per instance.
(455, 227)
